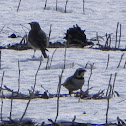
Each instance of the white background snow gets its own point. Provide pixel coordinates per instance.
(100, 16)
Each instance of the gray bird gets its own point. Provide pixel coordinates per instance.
(75, 81)
(37, 38)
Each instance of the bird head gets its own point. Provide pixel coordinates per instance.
(79, 73)
(34, 25)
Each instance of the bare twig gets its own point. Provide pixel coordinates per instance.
(32, 94)
(107, 62)
(19, 76)
(25, 110)
(108, 98)
(0, 59)
(107, 92)
(1, 91)
(83, 6)
(45, 89)
(2, 29)
(50, 32)
(73, 121)
(114, 83)
(119, 37)
(58, 94)
(11, 105)
(124, 64)
(66, 5)
(52, 58)
(65, 58)
(90, 74)
(59, 87)
(18, 5)
(56, 5)
(37, 74)
(120, 60)
(45, 4)
(116, 34)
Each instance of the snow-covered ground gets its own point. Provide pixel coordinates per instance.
(100, 16)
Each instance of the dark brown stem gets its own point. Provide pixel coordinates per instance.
(83, 7)
(18, 5)
(45, 4)
(50, 32)
(56, 4)
(32, 94)
(107, 92)
(120, 60)
(19, 76)
(114, 84)
(11, 105)
(1, 91)
(52, 58)
(0, 59)
(107, 62)
(119, 37)
(90, 75)
(116, 34)
(66, 5)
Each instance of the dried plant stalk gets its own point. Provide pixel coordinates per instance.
(120, 60)
(11, 106)
(90, 75)
(19, 76)
(45, 4)
(1, 91)
(66, 5)
(18, 5)
(52, 58)
(119, 37)
(107, 62)
(32, 94)
(116, 34)
(83, 7)
(56, 5)
(0, 59)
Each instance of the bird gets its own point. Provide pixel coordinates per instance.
(76, 81)
(37, 38)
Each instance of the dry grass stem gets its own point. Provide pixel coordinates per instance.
(52, 58)
(1, 92)
(107, 62)
(120, 60)
(83, 7)
(18, 5)
(2, 29)
(11, 106)
(107, 92)
(58, 94)
(66, 6)
(0, 59)
(50, 31)
(90, 75)
(45, 4)
(114, 84)
(116, 34)
(19, 73)
(32, 94)
(119, 37)
(56, 5)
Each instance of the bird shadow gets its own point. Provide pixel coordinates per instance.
(31, 59)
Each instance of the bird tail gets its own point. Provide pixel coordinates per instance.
(44, 54)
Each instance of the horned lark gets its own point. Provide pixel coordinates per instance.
(37, 38)
(75, 81)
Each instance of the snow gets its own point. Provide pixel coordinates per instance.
(100, 16)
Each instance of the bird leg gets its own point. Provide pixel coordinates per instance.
(34, 54)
